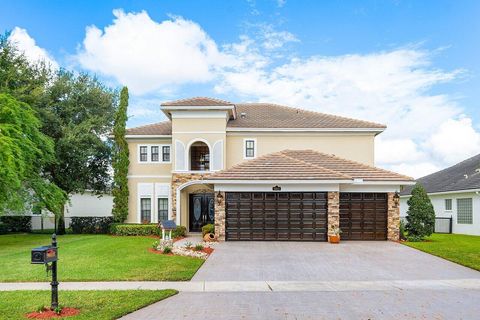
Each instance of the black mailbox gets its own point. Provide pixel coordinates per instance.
(43, 255)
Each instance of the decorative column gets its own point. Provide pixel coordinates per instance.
(333, 210)
(220, 215)
(393, 217)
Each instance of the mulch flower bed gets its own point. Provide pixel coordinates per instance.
(159, 252)
(50, 314)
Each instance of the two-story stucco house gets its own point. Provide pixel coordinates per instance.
(261, 172)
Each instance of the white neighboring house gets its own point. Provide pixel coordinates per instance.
(80, 205)
(454, 192)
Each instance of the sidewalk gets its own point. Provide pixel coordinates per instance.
(254, 286)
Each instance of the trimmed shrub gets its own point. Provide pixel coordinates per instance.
(180, 231)
(138, 229)
(17, 223)
(3, 228)
(167, 250)
(134, 229)
(208, 228)
(420, 215)
(92, 225)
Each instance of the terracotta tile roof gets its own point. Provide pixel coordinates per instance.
(197, 101)
(277, 166)
(265, 115)
(160, 128)
(262, 115)
(304, 165)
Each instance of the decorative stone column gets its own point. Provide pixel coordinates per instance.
(177, 180)
(393, 217)
(333, 210)
(220, 216)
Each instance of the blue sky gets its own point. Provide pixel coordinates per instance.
(410, 64)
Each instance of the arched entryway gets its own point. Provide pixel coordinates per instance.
(199, 156)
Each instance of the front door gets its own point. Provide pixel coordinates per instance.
(202, 211)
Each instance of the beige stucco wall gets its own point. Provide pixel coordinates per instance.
(354, 146)
(137, 168)
(208, 130)
(133, 195)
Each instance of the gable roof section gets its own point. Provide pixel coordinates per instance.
(163, 128)
(462, 176)
(304, 165)
(266, 115)
(197, 101)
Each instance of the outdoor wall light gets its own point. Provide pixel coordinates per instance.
(219, 197)
(396, 198)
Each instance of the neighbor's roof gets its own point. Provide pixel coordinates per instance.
(305, 165)
(262, 116)
(462, 176)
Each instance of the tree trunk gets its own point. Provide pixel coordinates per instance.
(61, 222)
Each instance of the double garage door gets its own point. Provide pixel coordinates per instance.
(302, 216)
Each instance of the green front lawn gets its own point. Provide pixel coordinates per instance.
(92, 304)
(92, 258)
(459, 248)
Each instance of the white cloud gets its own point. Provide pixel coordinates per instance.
(391, 87)
(25, 43)
(146, 55)
(455, 140)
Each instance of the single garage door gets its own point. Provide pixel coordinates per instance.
(363, 216)
(300, 216)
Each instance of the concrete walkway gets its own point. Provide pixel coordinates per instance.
(256, 286)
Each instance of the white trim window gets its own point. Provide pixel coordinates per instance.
(150, 153)
(166, 153)
(143, 153)
(448, 205)
(162, 208)
(249, 148)
(145, 210)
(465, 211)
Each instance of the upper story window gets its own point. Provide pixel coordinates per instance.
(249, 148)
(151, 153)
(199, 157)
(448, 204)
(143, 153)
(166, 153)
(154, 153)
(465, 211)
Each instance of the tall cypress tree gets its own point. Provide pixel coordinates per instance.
(120, 161)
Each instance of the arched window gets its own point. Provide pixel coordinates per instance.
(199, 157)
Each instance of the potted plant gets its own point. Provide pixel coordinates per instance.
(334, 235)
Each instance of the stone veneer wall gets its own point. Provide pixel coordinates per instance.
(220, 216)
(177, 180)
(393, 217)
(333, 210)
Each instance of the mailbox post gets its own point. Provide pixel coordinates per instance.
(45, 255)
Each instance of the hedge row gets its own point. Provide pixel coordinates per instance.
(136, 229)
(15, 224)
(91, 224)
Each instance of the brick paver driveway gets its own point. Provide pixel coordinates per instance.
(358, 264)
(355, 260)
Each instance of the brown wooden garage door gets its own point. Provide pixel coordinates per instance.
(363, 216)
(300, 216)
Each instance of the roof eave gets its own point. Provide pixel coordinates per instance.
(167, 109)
(245, 129)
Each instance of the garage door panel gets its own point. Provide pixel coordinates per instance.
(276, 216)
(363, 216)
